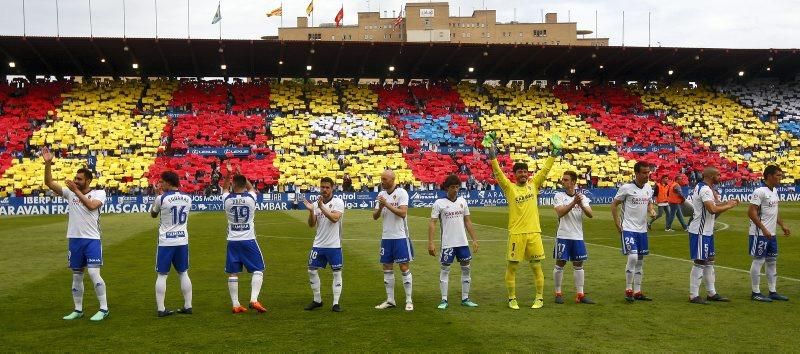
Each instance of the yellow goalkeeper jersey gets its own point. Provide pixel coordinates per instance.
(523, 208)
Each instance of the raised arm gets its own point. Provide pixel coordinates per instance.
(541, 175)
(48, 175)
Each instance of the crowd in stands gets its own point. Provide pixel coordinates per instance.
(777, 102)
(725, 126)
(286, 135)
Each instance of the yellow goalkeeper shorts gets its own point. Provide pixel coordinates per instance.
(525, 247)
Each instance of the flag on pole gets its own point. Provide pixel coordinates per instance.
(276, 12)
(217, 16)
(339, 17)
(310, 8)
(399, 20)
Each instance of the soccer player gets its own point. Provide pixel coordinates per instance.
(764, 219)
(326, 215)
(453, 212)
(524, 230)
(570, 206)
(701, 236)
(243, 250)
(173, 241)
(85, 250)
(395, 242)
(636, 200)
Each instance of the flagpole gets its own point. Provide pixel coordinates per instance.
(155, 6)
(219, 7)
(281, 14)
(91, 27)
(188, 33)
(24, 22)
(124, 21)
(58, 22)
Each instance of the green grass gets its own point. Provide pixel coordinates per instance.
(34, 293)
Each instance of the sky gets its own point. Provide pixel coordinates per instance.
(677, 23)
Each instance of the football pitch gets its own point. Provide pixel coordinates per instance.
(35, 283)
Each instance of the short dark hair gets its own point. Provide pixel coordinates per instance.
(572, 175)
(451, 180)
(519, 166)
(639, 165)
(327, 180)
(771, 170)
(239, 181)
(171, 177)
(87, 173)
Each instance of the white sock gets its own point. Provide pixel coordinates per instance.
(772, 274)
(637, 276)
(77, 289)
(710, 278)
(313, 277)
(407, 282)
(578, 275)
(233, 289)
(99, 287)
(630, 267)
(444, 280)
(695, 277)
(558, 277)
(337, 285)
(466, 281)
(161, 291)
(255, 285)
(388, 282)
(186, 289)
(755, 274)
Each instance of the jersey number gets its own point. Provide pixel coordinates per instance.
(560, 247)
(179, 216)
(241, 212)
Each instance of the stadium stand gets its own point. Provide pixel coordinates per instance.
(771, 101)
(358, 98)
(250, 97)
(729, 128)
(323, 99)
(208, 127)
(619, 114)
(527, 118)
(310, 147)
(287, 97)
(115, 126)
(197, 96)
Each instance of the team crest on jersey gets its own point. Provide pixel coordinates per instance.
(394, 197)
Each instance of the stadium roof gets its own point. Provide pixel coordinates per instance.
(77, 56)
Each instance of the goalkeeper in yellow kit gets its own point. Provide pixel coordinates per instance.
(524, 230)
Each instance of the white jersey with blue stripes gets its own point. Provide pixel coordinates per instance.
(702, 221)
(174, 208)
(767, 202)
(240, 209)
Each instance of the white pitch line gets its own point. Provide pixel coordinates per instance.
(651, 254)
(356, 239)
